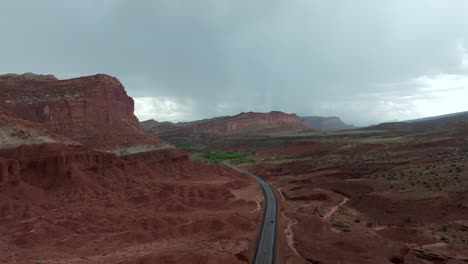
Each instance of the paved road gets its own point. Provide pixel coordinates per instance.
(266, 241)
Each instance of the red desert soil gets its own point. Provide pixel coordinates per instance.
(368, 197)
(70, 204)
(93, 110)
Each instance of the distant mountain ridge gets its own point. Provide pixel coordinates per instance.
(441, 119)
(202, 131)
(332, 123)
(156, 127)
(423, 123)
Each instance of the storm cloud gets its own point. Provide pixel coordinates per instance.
(365, 61)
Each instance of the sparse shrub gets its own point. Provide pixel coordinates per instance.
(340, 225)
(217, 156)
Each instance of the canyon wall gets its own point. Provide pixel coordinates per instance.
(93, 110)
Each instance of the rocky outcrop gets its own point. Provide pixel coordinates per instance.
(9, 172)
(93, 110)
(15, 131)
(332, 123)
(54, 197)
(52, 165)
(28, 76)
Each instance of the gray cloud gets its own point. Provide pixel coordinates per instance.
(311, 57)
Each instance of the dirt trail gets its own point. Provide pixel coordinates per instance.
(281, 193)
(289, 234)
(335, 208)
(288, 231)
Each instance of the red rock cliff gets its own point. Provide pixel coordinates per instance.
(93, 110)
(242, 124)
(253, 123)
(246, 123)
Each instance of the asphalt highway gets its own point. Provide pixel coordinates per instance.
(266, 241)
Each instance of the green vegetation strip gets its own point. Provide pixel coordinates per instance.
(217, 156)
(343, 226)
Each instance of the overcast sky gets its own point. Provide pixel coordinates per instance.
(365, 61)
